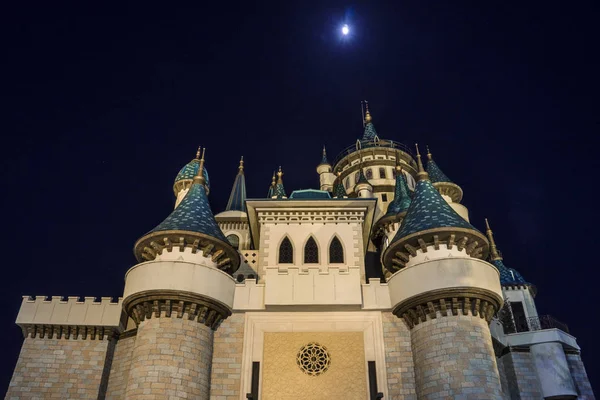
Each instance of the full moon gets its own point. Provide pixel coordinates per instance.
(345, 29)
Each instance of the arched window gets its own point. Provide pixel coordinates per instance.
(311, 251)
(382, 173)
(234, 240)
(356, 177)
(369, 173)
(347, 183)
(336, 252)
(286, 252)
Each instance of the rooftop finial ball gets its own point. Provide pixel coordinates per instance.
(345, 29)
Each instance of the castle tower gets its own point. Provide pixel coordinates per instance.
(447, 295)
(185, 178)
(449, 190)
(234, 220)
(178, 295)
(363, 188)
(326, 177)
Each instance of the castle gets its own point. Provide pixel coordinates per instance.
(375, 286)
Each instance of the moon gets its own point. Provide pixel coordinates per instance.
(345, 29)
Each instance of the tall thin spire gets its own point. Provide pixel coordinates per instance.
(370, 133)
(198, 152)
(237, 198)
(324, 156)
(199, 178)
(421, 174)
(494, 254)
(435, 173)
(279, 189)
(271, 193)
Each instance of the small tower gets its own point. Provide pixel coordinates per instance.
(271, 192)
(326, 177)
(279, 190)
(363, 188)
(447, 294)
(338, 188)
(178, 295)
(234, 220)
(184, 178)
(449, 190)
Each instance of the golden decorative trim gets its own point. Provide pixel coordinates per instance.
(171, 303)
(448, 302)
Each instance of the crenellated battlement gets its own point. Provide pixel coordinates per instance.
(70, 316)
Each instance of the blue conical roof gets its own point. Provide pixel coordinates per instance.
(370, 132)
(508, 276)
(361, 177)
(338, 189)
(190, 170)
(193, 215)
(237, 198)
(435, 173)
(324, 157)
(401, 201)
(279, 190)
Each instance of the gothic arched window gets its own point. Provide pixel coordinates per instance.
(286, 252)
(382, 173)
(234, 240)
(336, 252)
(311, 251)
(369, 173)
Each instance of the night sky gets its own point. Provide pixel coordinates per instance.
(103, 106)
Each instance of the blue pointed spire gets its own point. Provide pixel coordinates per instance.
(430, 215)
(338, 187)
(237, 198)
(401, 201)
(189, 171)
(370, 133)
(279, 191)
(190, 224)
(324, 157)
(435, 173)
(508, 276)
(361, 176)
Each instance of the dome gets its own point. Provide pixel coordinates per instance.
(189, 171)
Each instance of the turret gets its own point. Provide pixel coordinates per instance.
(449, 190)
(178, 294)
(234, 220)
(338, 188)
(185, 177)
(279, 190)
(363, 188)
(446, 293)
(326, 177)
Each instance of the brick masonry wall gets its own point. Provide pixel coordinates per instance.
(227, 359)
(454, 358)
(171, 359)
(398, 358)
(119, 371)
(582, 382)
(521, 376)
(58, 368)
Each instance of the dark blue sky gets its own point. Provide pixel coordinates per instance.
(102, 106)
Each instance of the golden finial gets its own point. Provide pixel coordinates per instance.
(494, 255)
(279, 175)
(429, 157)
(198, 152)
(398, 166)
(273, 180)
(241, 167)
(368, 117)
(421, 174)
(199, 178)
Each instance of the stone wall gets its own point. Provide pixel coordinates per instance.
(521, 377)
(398, 358)
(171, 358)
(227, 359)
(59, 368)
(582, 382)
(119, 371)
(454, 358)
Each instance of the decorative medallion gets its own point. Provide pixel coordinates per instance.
(313, 359)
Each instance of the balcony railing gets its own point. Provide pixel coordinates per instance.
(365, 144)
(546, 322)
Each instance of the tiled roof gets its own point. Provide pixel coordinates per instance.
(435, 173)
(193, 214)
(310, 194)
(338, 189)
(271, 193)
(190, 170)
(370, 132)
(324, 158)
(279, 191)
(237, 198)
(361, 177)
(508, 276)
(428, 210)
(401, 200)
